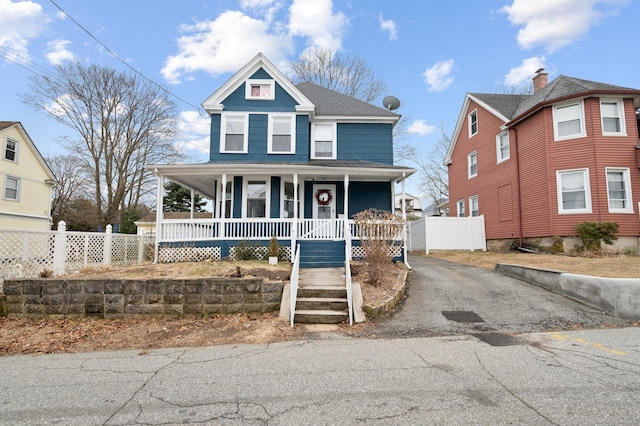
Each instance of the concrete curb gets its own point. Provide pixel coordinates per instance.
(616, 296)
(386, 306)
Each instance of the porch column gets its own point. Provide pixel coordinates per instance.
(345, 221)
(193, 199)
(159, 208)
(223, 208)
(294, 223)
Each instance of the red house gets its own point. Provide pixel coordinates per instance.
(536, 165)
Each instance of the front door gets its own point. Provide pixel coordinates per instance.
(324, 201)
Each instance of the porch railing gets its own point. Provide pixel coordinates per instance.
(293, 285)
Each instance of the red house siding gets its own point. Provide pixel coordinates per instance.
(539, 157)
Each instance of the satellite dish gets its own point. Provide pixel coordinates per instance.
(391, 103)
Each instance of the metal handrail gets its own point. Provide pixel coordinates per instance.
(293, 284)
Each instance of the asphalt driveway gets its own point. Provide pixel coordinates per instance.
(446, 298)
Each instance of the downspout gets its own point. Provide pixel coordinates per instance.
(515, 131)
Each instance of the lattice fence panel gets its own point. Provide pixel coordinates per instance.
(188, 254)
(358, 252)
(124, 250)
(25, 254)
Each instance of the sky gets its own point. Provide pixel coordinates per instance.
(429, 53)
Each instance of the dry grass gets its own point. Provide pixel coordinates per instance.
(619, 266)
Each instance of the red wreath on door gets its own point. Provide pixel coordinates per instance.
(323, 197)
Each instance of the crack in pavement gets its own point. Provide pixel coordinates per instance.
(512, 393)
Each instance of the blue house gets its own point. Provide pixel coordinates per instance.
(291, 161)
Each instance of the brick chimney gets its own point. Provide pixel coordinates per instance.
(540, 80)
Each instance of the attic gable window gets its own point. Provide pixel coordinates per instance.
(473, 122)
(234, 133)
(612, 113)
(260, 90)
(11, 150)
(568, 121)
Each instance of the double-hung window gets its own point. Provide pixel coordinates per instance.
(473, 206)
(619, 190)
(282, 135)
(11, 150)
(612, 113)
(568, 121)
(472, 162)
(574, 193)
(289, 201)
(234, 133)
(503, 150)
(260, 90)
(460, 208)
(323, 141)
(257, 205)
(473, 122)
(11, 188)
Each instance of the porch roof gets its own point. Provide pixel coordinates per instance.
(201, 177)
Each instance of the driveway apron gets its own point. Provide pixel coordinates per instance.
(446, 298)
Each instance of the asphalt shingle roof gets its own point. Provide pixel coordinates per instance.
(330, 102)
(5, 124)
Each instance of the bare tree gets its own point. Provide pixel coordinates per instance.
(71, 180)
(343, 73)
(122, 122)
(432, 173)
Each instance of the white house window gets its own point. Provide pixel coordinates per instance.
(289, 202)
(11, 150)
(473, 206)
(282, 136)
(256, 198)
(619, 190)
(228, 200)
(11, 188)
(568, 121)
(473, 122)
(574, 194)
(612, 113)
(461, 212)
(260, 90)
(234, 133)
(472, 160)
(323, 141)
(503, 150)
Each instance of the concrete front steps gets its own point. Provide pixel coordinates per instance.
(322, 297)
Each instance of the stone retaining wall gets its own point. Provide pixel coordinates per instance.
(151, 298)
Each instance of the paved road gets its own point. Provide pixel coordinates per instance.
(504, 304)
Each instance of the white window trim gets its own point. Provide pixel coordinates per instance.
(261, 82)
(4, 188)
(587, 189)
(292, 128)
(498, 150)
(471, 200)
(4, 153)
(245, 195)
(471, 154)
(627, 187)
(583, 132)
(469, 123)
(334, 146)
(223, 132)
(460, 208)
(620, 106)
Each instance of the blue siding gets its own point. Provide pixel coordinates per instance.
(283, 102)
(214, 138)
(366, 195)
(365, 141)
(275, 196)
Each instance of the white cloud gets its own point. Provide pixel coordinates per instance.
(420, 127)
(389, 26)
(315, 20)
(195, 131)
(266, 8)
(524, 72)
(20, 22)
(224, 45)
(58, 52)
(438, 77)
(555, 24)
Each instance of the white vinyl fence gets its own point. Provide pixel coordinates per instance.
(435, 233)
(28, 254)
